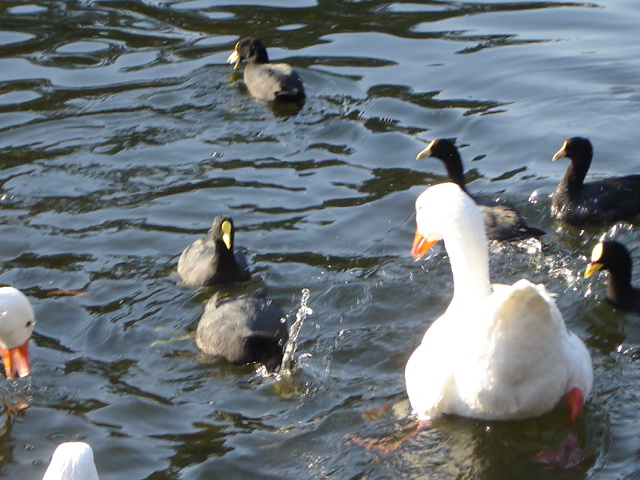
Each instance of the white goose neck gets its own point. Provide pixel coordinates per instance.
(446, 212)
(470, 267)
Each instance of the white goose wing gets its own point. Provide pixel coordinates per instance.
(428, 374)
(525, 360)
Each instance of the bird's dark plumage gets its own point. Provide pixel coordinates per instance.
(266, 80)
(614, 257)
(246, 329)
(502, 222)
(608, 200)
(211, 260)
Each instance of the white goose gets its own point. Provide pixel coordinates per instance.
(497, 353)
(72, 461)
(16, 326)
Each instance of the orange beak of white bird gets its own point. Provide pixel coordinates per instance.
(421, 246)
(16, 360)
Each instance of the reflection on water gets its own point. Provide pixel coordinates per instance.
(123, 131)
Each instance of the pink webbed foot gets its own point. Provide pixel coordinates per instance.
(392, 442)
(568, 454)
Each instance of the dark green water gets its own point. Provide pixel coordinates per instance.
(123, 132)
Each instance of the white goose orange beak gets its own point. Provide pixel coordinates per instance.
(16, 359)
(421, 246)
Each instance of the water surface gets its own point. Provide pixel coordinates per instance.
(124, 132)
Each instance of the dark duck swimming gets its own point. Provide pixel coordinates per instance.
(602, 201)
(615, 258)
(266, 80)
(245, 329)
(502, 222)
(212, 260)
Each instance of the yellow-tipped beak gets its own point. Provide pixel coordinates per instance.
(592, 268)
(421, 246)
(226, 233)
(235, 59)
(426, 152)
(560, 153)
(16, 360)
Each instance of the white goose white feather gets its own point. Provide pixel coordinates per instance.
(72, 461)
(496, 353)
(17, 320)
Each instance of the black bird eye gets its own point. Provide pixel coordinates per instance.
(28, 324)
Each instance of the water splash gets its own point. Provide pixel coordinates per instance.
(617, 229)
(290, 348)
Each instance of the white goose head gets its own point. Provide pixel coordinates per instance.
(72, 461)
(446, 212)
(446, 209)
(17, 320)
